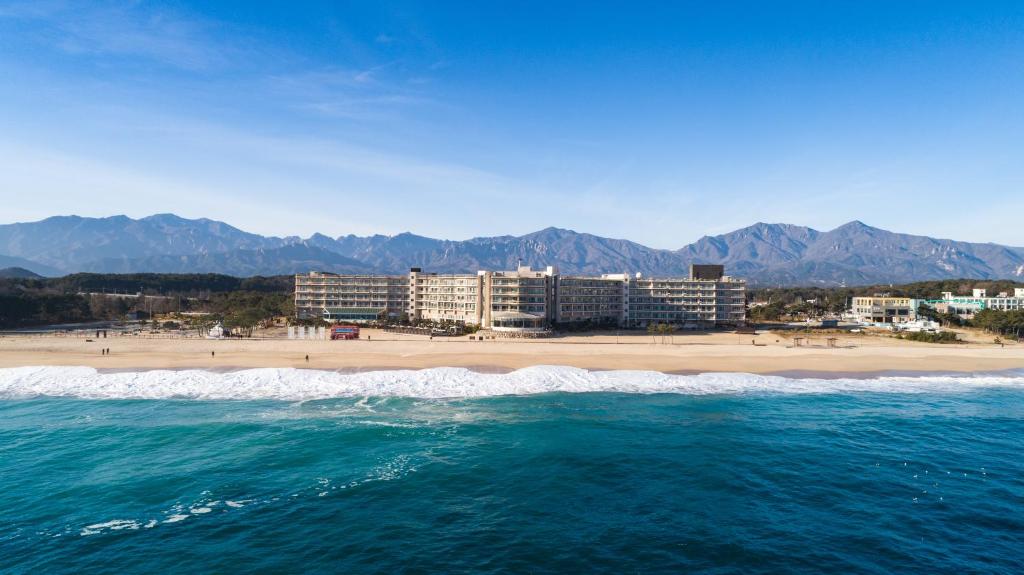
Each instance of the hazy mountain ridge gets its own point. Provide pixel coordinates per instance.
(18, 273)
(69, 242)
(783, 254)
(13, 262)
(284, 260)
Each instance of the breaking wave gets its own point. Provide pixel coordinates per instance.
(301, 384)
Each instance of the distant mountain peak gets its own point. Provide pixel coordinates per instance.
(408, 235)
(857, 225)
(551, 232)
(167, 217)
(768, 253)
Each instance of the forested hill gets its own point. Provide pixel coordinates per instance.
(26, 302)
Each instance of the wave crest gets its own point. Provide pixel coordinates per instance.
(301, 384)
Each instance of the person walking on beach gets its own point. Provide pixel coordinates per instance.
(307, 358)
(213, 353)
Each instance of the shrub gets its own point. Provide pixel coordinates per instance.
(927, 337)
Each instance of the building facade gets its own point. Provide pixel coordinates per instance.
(693, 303)
(966, 306)
(582, 300)
(444, 297)
(884, 309)
(350, 297)
(519, 300)
(526, 299)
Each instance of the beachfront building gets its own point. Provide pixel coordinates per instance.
(706, 299)
(880, 309)
(966, 306)
(519, 300)
(581, 300)
(350, 297)
(526, 300)
(445, 297)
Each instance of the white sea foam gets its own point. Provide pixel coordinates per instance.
(297, 385)
(115, 525)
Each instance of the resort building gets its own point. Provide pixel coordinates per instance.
(884, 309)
(444, 297)
(592, 300)
(519, 300)
(350, 297)
(697, 302)
(526, 300)
(966, 306)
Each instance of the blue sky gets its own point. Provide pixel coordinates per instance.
(658, 122)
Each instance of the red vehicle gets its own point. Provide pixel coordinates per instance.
(345, 332)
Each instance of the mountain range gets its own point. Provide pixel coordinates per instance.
(765, 254)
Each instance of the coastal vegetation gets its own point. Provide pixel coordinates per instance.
(800, 303)
(783, 303)
(930, 337)
(238, 303)
(1007, 323)
(34, 309)
(662, 331)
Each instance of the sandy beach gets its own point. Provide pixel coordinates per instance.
(705, 352)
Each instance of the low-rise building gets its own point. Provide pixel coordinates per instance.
(966, 306)
(884, 309)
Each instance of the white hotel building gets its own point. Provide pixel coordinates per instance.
(526, 299)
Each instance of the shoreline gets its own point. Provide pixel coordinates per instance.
(772, 354)
(497, 370)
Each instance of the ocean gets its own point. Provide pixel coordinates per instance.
(543, 470)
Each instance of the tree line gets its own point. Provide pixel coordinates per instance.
(241, 303)
(185, 285)
(795, 302)
(811, 301)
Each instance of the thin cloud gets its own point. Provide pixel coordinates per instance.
(365, 109)
(347, 93)
(163, 36)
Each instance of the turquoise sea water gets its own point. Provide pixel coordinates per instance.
(759, 481)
